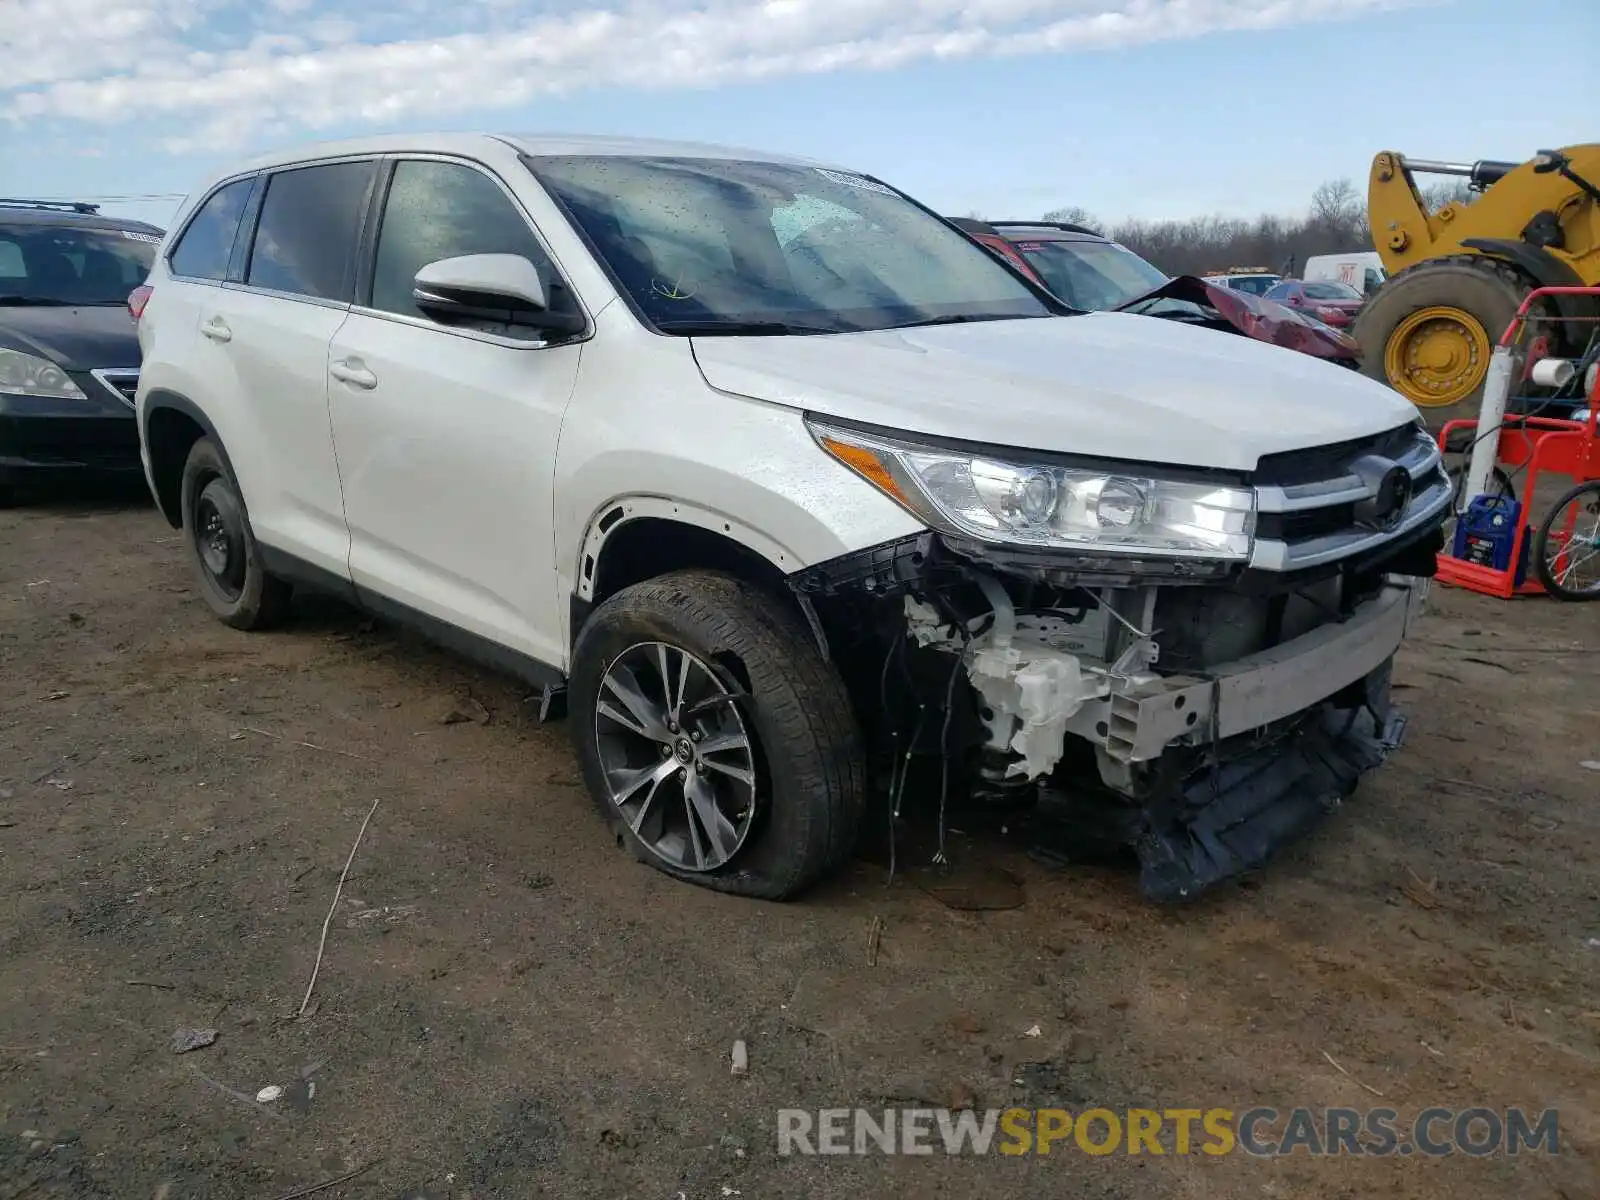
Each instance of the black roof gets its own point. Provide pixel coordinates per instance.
(69, 213)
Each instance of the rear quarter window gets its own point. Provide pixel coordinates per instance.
(206, 245)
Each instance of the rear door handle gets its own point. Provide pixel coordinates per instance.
(352, 372)
(217, 330)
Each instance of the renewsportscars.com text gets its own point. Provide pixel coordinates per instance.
(1258, 1132)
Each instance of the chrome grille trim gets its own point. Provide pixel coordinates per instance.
(1420, 460)
(120, 382)
(1430, 500)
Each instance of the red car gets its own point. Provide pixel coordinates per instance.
(1326, 299)
(1092, 272)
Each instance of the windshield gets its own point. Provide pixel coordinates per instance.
(1092, 275)
(715, 246)
(1330, 290)
(65, 264)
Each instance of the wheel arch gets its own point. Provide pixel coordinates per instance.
(634, 538)
(171, 424)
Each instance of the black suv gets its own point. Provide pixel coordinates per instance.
(69, 350)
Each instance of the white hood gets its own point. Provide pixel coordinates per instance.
(1115, 385)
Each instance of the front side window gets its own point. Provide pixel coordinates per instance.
(1092, 275)
(438, 210)
(709, 246)
(306, 237)
(1371, 281)
(206, 245)
(64, 264)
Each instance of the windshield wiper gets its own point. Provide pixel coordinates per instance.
(965, 318)
(739, 328)
(18, 301)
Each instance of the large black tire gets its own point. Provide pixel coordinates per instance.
(1587, 496)
(245, 596)
(811, 770)
(1484, 288)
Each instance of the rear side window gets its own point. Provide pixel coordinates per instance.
(207, 244)
(306, 237)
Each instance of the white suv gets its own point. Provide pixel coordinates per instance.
(782, 482)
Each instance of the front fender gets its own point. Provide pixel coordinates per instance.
(793, 509)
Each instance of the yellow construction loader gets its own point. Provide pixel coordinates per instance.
(1458, 274)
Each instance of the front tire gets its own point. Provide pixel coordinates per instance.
(222, 547)
(717, 742)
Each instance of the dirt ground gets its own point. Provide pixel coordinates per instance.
(509, 1007)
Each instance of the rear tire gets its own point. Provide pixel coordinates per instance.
(222, 547)
(1439, 362)
(765, 676)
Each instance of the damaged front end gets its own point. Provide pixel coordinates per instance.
(1201, 714)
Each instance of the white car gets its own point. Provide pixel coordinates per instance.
(783, 479)
(1256, 283)
(1361, 269)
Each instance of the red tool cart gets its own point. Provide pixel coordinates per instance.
(1497, 549)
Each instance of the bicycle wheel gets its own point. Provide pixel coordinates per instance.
(1566, 548)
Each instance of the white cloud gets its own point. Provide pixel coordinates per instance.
(226, 69)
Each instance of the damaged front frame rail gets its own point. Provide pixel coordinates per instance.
(1203, 773)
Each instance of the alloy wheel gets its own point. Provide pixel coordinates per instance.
(678, 759)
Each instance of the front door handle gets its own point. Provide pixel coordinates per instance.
(352, 372)
(217, 330)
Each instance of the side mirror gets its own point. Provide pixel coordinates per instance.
(500, 288)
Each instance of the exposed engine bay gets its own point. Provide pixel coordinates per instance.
(1202, 720)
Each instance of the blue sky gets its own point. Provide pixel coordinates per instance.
(1152, 108)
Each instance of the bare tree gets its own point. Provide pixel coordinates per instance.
(1337, 221)
(1071, 215)
(1335, 202)
(1457, 191)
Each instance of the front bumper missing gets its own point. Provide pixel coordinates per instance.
(1295, 729)
(1140, 717)
(1235, 816)
(1231, 815)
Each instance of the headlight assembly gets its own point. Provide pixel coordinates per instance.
(28, 375)
(1011, 502)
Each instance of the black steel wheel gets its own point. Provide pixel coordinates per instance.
(1566, 547)
(222, 547)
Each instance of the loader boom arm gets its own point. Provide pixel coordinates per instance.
(1546, 212)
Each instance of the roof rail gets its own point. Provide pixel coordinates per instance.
(973, 225)
(75, 206)
(1066, 226)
